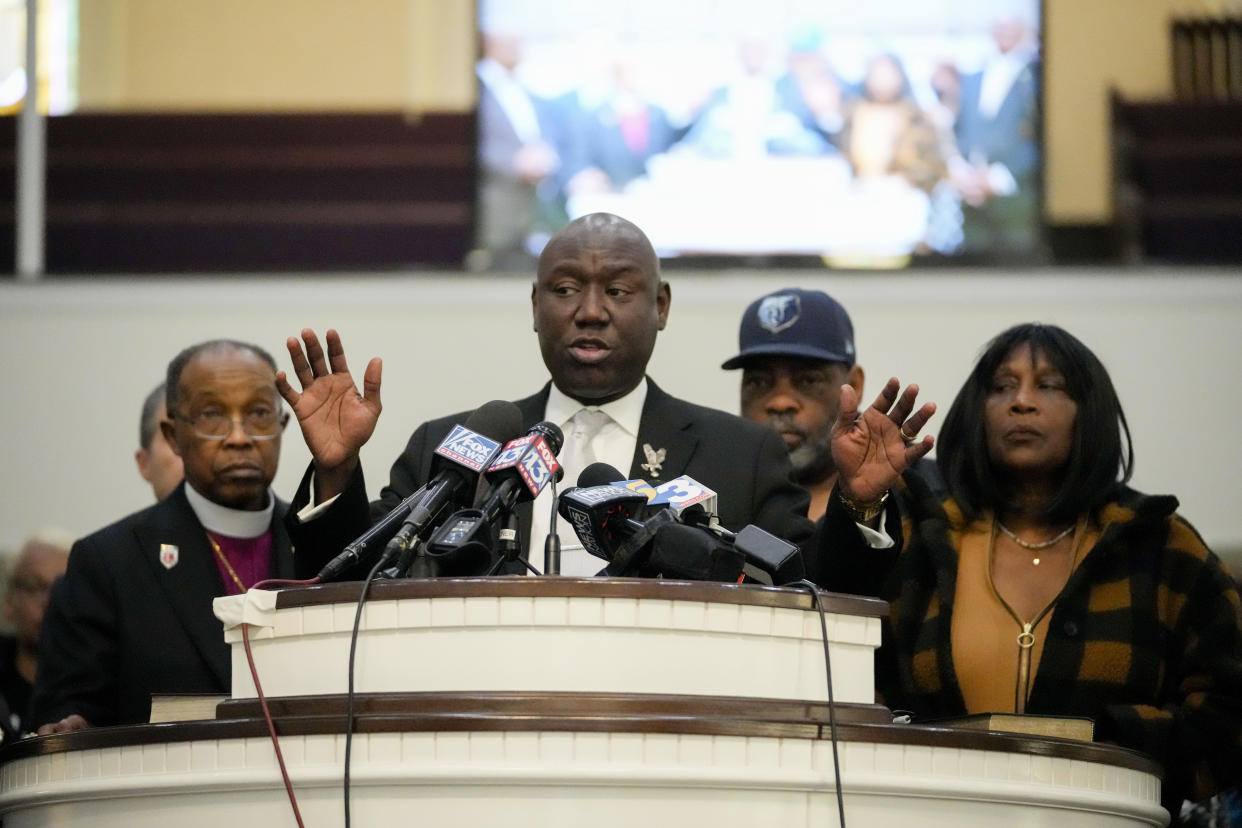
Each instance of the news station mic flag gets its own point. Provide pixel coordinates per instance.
(467, 542)
(460, 458)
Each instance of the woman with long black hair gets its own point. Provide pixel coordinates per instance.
(1043, 583)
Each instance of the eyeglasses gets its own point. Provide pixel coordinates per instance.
(258, 424)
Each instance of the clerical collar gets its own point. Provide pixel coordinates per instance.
(626, 411)
(232, 523)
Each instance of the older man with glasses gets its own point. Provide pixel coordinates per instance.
(133, 614)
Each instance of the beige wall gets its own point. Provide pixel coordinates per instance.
(416, 54)
(275, 54)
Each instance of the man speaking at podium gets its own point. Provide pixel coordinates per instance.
(598, 303)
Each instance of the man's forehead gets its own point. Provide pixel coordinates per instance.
(598, 263)
(614, 243)
(226, 372)
(208, 388)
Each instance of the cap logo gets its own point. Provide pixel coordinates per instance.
(776, 313)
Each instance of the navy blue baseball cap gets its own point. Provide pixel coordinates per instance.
(795, 323)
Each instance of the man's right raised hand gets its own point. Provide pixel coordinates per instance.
(336, 420)
(871, 448)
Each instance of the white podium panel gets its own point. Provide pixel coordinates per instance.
(560, 634)
(544, 779)
(548, 702)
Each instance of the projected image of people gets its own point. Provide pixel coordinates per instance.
(876, 136)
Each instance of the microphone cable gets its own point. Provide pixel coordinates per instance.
(383, 561)
(258, 688)
(349, 693)
(832, 707)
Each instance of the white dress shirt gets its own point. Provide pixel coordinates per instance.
(614, 444)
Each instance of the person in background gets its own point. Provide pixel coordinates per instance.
(622, 134)
(157, 462)
(746, 119)
(796, 350)
(811, 89)
(1043, 584)
(518, 159)
(133, 614)
(998, 136)
(36, 567)
(887, 133)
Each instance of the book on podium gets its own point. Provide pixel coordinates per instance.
(1030, 724)
(184, 707)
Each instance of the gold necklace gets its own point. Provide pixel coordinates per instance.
(1035, 547)
(1026, 638)
(215, 547)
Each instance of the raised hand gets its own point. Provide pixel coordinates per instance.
(336, 420)
(873, 447)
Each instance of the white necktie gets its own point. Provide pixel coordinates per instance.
(578, 453)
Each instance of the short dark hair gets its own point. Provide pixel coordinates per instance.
(147, 423)
(172, 382)
(1100, 462)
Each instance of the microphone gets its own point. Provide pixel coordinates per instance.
(602, 474)
(767, 555)
(381, 532)
(602, 513)
(519, 472)
(523, 468)
(461, 455)
(463, 448)
(682, 540)
(690, 553)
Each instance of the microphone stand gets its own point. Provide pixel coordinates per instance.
(509, 548)
(552, 544)
(412, 564)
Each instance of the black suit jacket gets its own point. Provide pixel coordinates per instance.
(120, 625)
(745, 463)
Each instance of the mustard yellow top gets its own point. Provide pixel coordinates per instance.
(984, 634)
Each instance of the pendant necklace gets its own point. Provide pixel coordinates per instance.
(1026, 638)
(1035, 547)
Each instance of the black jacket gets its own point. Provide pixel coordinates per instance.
(121, 626)
(745, 463)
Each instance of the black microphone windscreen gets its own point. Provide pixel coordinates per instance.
(498, 420)
(599, 474)
(695, 515)
(551, 433)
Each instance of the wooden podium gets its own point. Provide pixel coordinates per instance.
(559, 702)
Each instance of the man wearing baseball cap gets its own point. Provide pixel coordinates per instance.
(796, 350)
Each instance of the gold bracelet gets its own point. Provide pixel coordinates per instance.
(862, 512)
